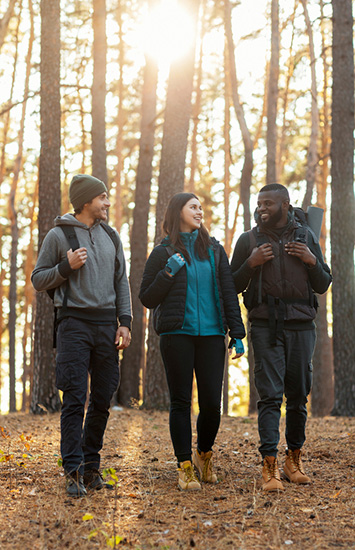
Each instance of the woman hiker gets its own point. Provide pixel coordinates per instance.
(188, 281)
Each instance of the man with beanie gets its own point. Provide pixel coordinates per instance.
(92, 297)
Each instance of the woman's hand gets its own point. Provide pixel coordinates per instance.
(236, 346)
(174, 264)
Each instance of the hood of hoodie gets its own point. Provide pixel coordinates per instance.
(70, 219)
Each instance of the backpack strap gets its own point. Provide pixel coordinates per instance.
(114, 238)
(72, 239)
(256, 238)
(170, 250)
(111, 233)
(69, 232)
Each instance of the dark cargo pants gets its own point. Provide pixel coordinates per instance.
(82, 348)
(282, 369)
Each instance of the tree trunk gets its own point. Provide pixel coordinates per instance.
(272, 96)
(13, 222)
(171, 181)
(253, 393)
(227, 154)
(312, 155)
(13, 300)
(342, 209)
(14, 227)
(45, 394)
(196, 111)
(5, 20)
(2, 277)
(28, 311)
(281, 150)
(98, 131)
(6, 119)
(133, 356)
(322, 399)
(225, 392)
(247, 170)
(120, 120)
(227, 232)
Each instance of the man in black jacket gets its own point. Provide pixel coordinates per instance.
(281, 265)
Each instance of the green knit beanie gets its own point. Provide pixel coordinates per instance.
(84, 188)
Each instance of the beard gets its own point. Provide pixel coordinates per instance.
(273, 219)
(99, 214)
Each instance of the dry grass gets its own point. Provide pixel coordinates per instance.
(149, 511)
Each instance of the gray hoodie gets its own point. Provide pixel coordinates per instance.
(92, 287)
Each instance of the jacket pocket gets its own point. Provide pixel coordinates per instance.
(309, 378)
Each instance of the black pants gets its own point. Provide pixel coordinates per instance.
(182, 355)
(85, 348)
(282, 369)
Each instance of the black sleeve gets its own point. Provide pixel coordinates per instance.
(230, 298)
(319, 275)
(242, 272)
(156, 283)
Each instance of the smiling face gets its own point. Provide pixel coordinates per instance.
(191, 216)
(272, 209)
(97, 208)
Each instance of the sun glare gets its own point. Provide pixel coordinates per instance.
(166, 33)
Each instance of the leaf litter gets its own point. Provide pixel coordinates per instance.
(147, 511)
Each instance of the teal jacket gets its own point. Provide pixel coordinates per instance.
(202, 311)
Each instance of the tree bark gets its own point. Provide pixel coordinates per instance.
(227, 154)
(247, 170)
(6, 115)
(322, 398)
(120, 120)
(312, 155)
(342, 209)
(13, 299)
(272, 96)
(5, 20)
(171, 181)
(281, 149)
(196, 110)
(98, 131)
(14, 228)
(133, 356)
(44, 393)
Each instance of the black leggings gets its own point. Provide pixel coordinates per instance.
(182, 354)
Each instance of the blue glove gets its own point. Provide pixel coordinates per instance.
(174, 264)
(237, 345)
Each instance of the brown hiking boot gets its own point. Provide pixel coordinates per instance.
(203, 463)
(293, 468)
(187, 480)
(271, 475)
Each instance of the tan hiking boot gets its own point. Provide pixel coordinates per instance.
(271, 475)
(293, 468)
(203, 463)
(187, 480)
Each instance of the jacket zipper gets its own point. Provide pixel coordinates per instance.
(197, 292)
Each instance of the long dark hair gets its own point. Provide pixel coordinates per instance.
(171, 227)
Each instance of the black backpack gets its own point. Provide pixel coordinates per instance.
(69, 232)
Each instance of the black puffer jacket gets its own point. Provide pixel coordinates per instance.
(167, 295)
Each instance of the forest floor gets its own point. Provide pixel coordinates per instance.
(147, 511)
